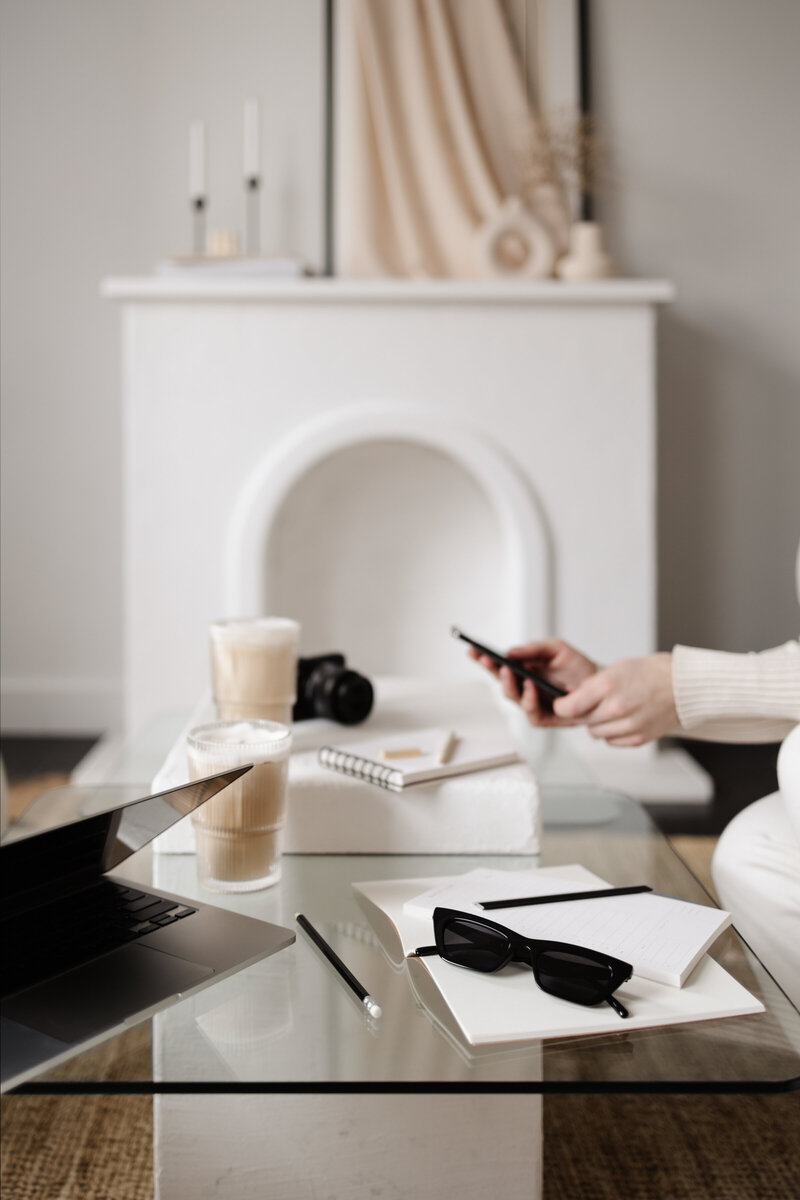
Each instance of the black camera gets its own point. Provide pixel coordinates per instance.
(326, 687)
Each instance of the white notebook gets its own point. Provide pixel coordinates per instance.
(509, 1007)
(662, 937)
(403, 759)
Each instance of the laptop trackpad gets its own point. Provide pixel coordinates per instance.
(74, 1006)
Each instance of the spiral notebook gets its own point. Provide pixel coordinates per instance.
(401, 760)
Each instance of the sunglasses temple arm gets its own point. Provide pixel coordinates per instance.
(618, 1008)
(424, 951)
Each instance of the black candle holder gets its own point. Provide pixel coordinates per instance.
(199, 225)
(252, 186)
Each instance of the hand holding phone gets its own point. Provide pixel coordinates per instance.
(541, 684)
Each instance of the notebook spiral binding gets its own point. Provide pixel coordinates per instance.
(359, 768)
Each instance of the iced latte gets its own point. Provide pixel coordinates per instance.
(254, 668)
(239, 831)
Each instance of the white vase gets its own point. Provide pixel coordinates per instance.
(587, 257)
(514, 244)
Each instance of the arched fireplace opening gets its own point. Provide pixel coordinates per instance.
(378, 527)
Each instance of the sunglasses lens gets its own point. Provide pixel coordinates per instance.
(470, 944)
(572, 977)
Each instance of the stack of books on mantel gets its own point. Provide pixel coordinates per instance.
(240, 267)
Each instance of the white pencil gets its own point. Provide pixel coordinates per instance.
(448, 746)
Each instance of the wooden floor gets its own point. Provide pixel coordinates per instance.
(696, 851)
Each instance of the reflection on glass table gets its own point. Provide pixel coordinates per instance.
(290, 1023)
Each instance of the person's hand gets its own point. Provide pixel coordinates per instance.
(629, 703)
(551, 658)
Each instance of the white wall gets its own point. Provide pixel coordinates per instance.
(95, 101)
(698, 99)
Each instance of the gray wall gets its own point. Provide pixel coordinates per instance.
(96, 97)
(698, 100)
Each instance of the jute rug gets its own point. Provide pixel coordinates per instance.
(595, 1147)
(79, 1147)
(83, 1147)
(672, 1147)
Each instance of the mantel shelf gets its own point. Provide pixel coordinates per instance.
(387, 291)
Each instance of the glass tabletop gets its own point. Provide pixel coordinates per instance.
(288, 1023)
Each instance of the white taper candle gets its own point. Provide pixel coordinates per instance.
(197, 160)
(252, 140)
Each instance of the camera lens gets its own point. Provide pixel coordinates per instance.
(339, 694)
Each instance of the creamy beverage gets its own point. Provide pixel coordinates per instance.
(254, 668)
(238, 831)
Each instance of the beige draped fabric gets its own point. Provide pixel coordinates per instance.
(433, 121)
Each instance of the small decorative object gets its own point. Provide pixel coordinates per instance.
(197, 184)
(570, 155)
(587, 257)
(252, 176)
(222, 243)
(514, 243)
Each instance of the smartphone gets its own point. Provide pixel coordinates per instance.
(542, 685)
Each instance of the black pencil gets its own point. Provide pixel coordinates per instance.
(370, 1003)
(597, 895)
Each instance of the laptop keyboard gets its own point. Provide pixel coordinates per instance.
(80, 927)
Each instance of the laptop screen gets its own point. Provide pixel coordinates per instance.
(40, 865)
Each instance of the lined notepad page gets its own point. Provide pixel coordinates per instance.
(484, 883)
(662, 937)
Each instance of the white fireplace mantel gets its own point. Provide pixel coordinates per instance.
(383, 459)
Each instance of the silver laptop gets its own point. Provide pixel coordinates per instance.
(86, 953)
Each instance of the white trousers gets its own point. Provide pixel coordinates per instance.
(756, 871)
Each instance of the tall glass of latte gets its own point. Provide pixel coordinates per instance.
(254, 668)
(239, 831)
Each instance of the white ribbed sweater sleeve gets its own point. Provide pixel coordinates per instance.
(737, 697)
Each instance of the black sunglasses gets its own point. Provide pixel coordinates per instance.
(570, 972)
